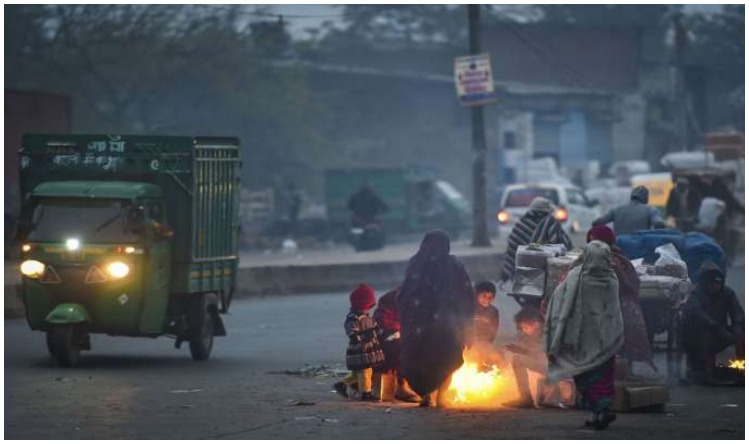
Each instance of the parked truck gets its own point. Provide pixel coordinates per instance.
(128, 236)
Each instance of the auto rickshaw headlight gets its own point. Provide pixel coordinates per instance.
(118, 270)
(32, 269)
(73, 244)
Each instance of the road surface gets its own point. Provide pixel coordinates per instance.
(146, 389)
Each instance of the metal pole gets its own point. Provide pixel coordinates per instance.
(480, 231)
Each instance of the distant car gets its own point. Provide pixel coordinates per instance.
(574, 210)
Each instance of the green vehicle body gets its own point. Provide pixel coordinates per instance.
(172, 217)
(417, 200)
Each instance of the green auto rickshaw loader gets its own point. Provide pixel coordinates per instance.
(128, 236)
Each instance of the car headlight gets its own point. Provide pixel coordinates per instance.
(118, 270)
(32, 269)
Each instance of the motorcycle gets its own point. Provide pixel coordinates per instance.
(366, 235)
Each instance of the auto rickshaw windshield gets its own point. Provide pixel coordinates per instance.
(90, 221)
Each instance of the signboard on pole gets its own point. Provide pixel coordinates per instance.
(473, 80)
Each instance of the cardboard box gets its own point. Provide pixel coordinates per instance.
(621, 369)
(629, 396)
(535, 255)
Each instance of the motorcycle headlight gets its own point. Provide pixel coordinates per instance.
(118, 270)
(32, 269)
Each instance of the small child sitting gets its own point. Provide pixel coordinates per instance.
(486, 318)
(389, 329)
(364, 351)
(528, 353)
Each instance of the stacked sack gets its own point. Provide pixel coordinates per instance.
(667, 278)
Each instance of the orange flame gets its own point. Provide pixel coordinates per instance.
(482, 381)
(736, 363)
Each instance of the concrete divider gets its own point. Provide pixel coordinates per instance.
(290, 279)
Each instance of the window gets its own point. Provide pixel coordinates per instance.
(524, 196)
(575, 197)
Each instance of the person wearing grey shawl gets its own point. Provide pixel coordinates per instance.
(584, 330)
(537, 225)
(634, 216)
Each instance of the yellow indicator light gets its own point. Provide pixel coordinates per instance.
(32, 269)
(129, 250)
(26, 248)
(118, 270)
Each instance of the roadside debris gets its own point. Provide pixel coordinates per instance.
(186, 391)
(315, 418)
(296, 402)
(317, 371)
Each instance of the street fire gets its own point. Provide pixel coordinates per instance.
(478, 383)
(737, 364)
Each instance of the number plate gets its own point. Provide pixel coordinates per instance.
(74, 256)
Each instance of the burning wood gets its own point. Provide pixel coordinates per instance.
(482, 381)
(737, 364)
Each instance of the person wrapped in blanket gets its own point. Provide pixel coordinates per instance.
(584, 331)
(436, 307)
(705, 329)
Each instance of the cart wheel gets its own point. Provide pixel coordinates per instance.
(63, 346)
(201, 336)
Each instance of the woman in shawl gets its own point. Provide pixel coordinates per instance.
(584, 331)
(636, 343)
(436, 307)
(538, 225)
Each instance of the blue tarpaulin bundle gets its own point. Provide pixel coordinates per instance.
(695, 248)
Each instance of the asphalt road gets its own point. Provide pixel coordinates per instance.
(146, 389)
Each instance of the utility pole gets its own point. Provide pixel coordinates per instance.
(680, 44)
(480, 231)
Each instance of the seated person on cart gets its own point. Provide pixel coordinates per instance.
(705, 327)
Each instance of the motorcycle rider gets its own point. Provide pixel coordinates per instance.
(634, 216)
(366, 205)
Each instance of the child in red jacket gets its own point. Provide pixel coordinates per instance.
(364, 351)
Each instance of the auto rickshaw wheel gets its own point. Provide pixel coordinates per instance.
(63, 345)
(201, 336)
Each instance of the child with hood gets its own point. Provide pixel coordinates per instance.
(389, 325)
(364, 351)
